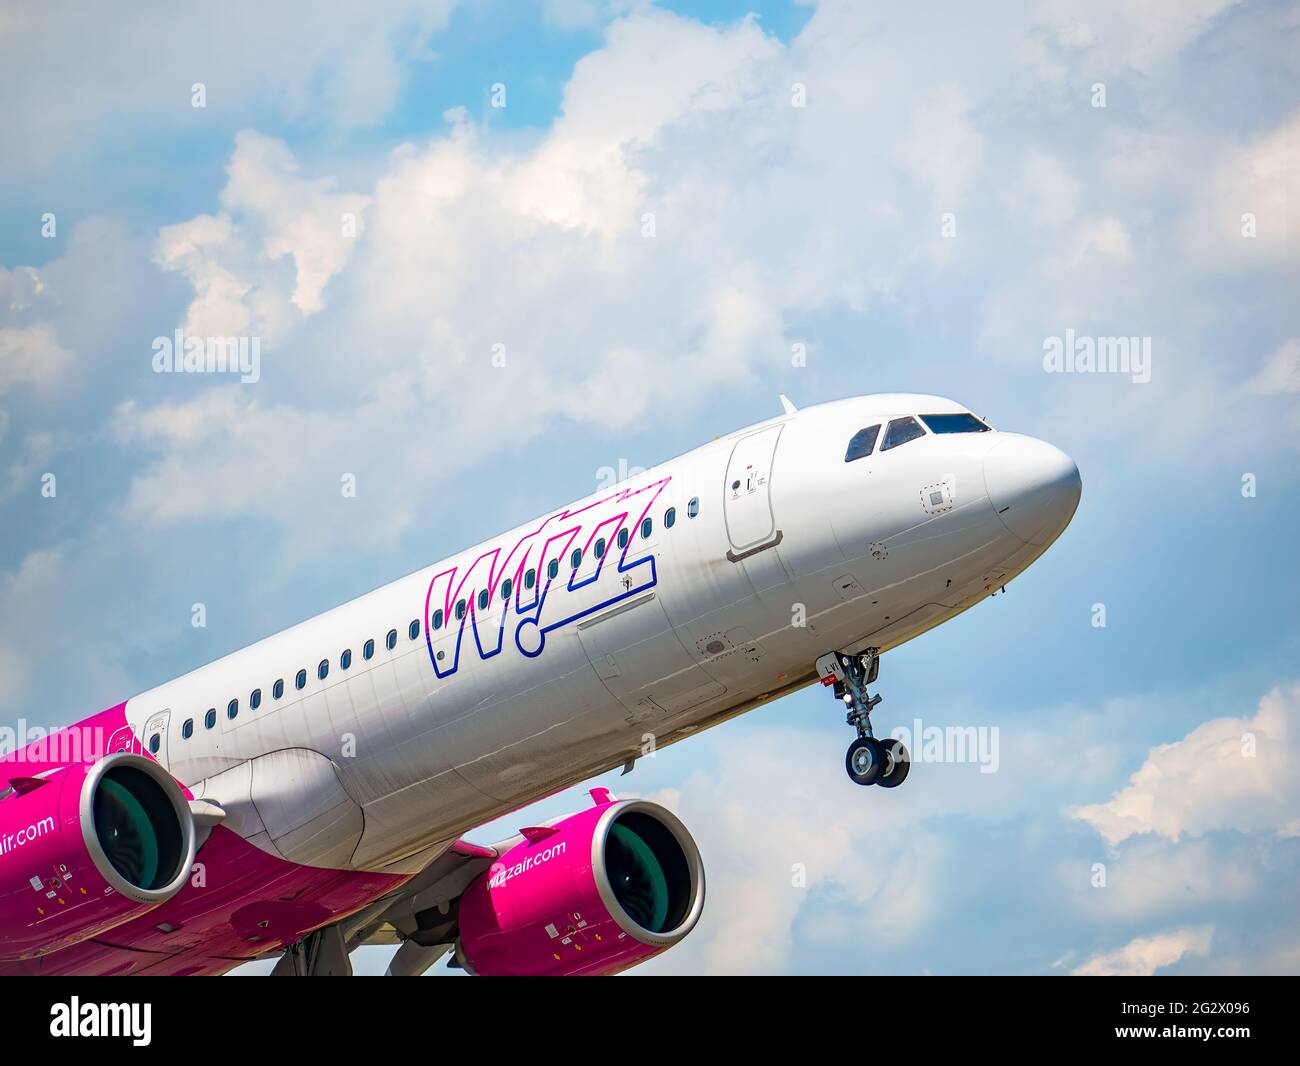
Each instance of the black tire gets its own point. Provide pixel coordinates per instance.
(865, 760)
(898, 762)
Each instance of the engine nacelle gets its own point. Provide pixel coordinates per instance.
(87, 847)
(594, 893)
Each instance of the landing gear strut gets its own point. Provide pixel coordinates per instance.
(869, 761)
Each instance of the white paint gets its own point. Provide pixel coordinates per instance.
(435, 757)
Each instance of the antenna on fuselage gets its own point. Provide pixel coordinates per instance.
(787, 406)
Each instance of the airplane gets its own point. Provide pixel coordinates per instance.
(311, 793)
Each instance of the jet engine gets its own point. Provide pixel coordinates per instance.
(594, 893)
(86, 847)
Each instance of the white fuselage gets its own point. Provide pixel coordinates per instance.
(793, 552)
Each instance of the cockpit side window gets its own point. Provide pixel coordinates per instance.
(962, 423)
(863, 442)
(900, 431)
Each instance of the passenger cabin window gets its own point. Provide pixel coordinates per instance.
(670, 518)
(187, 730)
(391, 640)
(575, 559)
(232, 708)
(323, 669)
(368, 651)
(962, 423)
(277, 690)
(483, 600)
(155, 742)
(437, 618)
(900, 431)
(646, 526)
(623, 537)
(345, 660)
(862, 443)
(255, 699)
(460, 610)
(300, 682)
(530, 578)
(506, 586)
(553, 569)
(413, 630)
(600, 548)
(210, 719)
(693, 508)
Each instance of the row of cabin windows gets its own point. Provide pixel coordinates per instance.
(299, 682)
(413, 630)
(575, 561)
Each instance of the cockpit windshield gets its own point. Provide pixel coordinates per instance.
(962, 423)
(900, 431)
(862, 443)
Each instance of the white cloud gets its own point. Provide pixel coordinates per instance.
(801, 822)
(59, 324)
(343, 71)
(1257, 178)
(1117, 36)
(271, 214)
(1143, 956)
(1044, 190)
(1152, 877)
(767, 218)
(1280, 374)
(476, 242)
(1229, 773)
(30, 355)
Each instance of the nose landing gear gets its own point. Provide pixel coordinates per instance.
(869, 761)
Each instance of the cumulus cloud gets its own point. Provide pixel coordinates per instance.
(1229, 773)
(657, 246)
(771, 851)
(1154, 877)
(1246, 212)
(1117, 35)
(270, 214)
(654, 246)
(55, 321)
(345, 72)
(30, 351)
(1144, 955)
(30, 355)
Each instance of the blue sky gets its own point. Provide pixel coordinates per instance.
(949, 197)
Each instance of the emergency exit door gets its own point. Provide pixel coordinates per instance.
(747, 495)
(155, 736)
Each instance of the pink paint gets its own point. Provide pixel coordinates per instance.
(540, 910)
(248, 904)
(51, 892)
(238, 903)
(81, 743)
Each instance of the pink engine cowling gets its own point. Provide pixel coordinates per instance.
(84, 848)
(595, 893)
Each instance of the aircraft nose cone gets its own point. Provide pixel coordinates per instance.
(1033, 486)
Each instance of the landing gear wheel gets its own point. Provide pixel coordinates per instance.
(865, 760)
(897, 764)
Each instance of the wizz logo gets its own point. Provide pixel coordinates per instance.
(538, 602)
